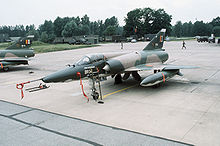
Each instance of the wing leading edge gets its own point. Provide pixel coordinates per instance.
(158, 66)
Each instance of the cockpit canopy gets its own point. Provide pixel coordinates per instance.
(90, 59)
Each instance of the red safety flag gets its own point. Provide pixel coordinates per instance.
(20, 87)
(163, 78)
(79, 74)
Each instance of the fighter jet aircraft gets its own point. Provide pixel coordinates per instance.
(152, 57)
(16, 54)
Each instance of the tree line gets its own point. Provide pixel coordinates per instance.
(18, 30)
(147, 21)
(65, 27)
(76, 26)
(199, 28)
(137, 22)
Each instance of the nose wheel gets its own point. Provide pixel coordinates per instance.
(95, 95)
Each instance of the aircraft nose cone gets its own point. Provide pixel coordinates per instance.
(64, 75)
(31, 53)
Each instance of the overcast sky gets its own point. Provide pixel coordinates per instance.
(27, 12)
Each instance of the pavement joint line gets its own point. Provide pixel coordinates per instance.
(205, 112)
(21, 113)
(115, 128)
(51, 131)
(213, 74)
(117, 91)
(205, 80)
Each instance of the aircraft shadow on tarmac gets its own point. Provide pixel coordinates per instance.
(17, 68)
(29, 68)
(132, 85)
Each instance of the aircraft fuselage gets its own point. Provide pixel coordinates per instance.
(117, 64)
(16, 53)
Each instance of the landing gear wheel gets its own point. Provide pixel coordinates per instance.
(5, 69)
(95, 95)
(118, 79)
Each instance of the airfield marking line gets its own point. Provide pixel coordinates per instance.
(106, 95)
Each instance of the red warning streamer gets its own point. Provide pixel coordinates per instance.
(1, 65)
(20, 87)
(79, 74)
(163, 77)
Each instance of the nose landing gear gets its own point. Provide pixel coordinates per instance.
(93, 75)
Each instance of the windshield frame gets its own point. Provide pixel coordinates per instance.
(83, 61)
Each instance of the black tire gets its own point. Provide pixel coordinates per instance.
(5, 69)
(95, 95)
(118, 79)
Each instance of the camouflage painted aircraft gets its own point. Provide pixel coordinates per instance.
(152, 57)
(16, 54)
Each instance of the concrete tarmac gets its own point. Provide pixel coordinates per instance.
(184, 109)
(22, 125)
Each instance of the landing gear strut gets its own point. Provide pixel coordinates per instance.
(93, 75)
(136, 76)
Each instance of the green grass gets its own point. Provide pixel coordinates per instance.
(40, 47)
(4, 45)
(38, 43)
(181, 39)
(43, 48)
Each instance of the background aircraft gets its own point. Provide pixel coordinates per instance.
(16, 54)
(152, 57)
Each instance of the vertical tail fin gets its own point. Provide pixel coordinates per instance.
(22, 43)
(157, 41)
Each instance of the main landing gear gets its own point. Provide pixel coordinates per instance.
(118, 79)
(5, 69)
(135, 75)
